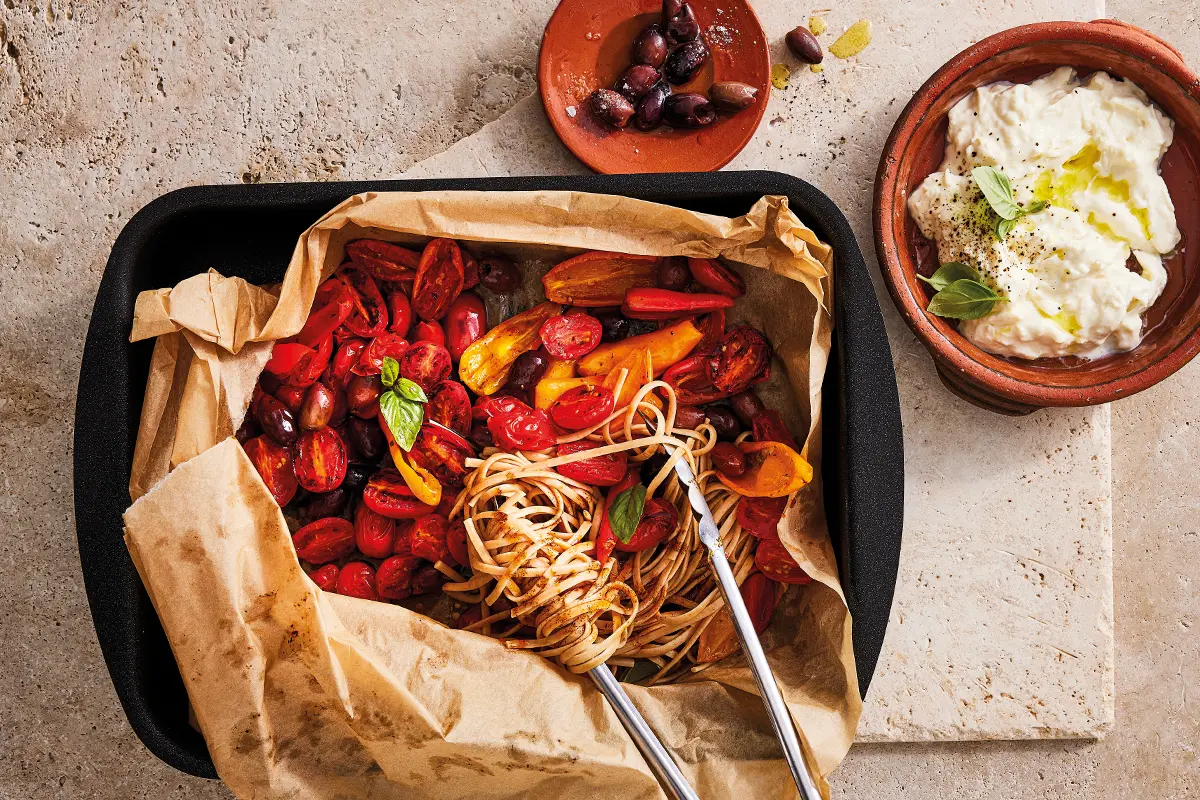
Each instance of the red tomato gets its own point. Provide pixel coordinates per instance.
(311, 364)
(386, 493)
(522, 430)
(320, 460)
(606, 540)
(374, 534)
(465, 322)
(760, 595)
(274, 465)
(340, 369)
(777, 563)
(403, 543)
(769, 427)
(449, 405)
(572, 335)
(285, 357)
(394, 579)
(332, 306)
(690, 381)
(440, 279)
(429, 538)
(443, 453)
(385, 345)
(426, 364)
(357, 579)
(429, 332)
(325, 578)
(582, 407)
(716, 277)
(323, 540)
(659, 520)
(761, 515)
(456, 541)
(370, 317)
(487, 407)
(607, 470)
(399, 313)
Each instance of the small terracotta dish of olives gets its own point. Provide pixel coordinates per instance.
(654, 85)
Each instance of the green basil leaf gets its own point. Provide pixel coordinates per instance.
(997, 190)
(410, 391)
(963, 299)
(403, 418)
(1004, 227)
(949, 273)
(1036, 206)
(626, 512)
(390, 371)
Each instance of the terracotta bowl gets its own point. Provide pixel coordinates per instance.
(915, 149)
(586, 46)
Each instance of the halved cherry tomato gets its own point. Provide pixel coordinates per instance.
(429, 538)
(572, 335)
(311, 364)
(582, 407)
(285, 357)
(769, 427)
(712, 325)
(443, 453)
(607, 470)
(400, 315)
(465, 322)
(487, 407)
(440, 279)
(716, 277)
(274, 465)
(332, 306)
(596, 279)
(341, 366)
(777, 563)
(449, 405)
(522, 430)
(403, 542)
(426, 364)
(761, 515)
(320, 460)
(659, 520)
(606, 540)
(742, 355)
(760, 594)
(385, 345)
(324, 540)
(374, 534)
(429, 332)
(357, 579)
(384, 260)
(370, 317)
(456, 541)
(690, 381)
(386, 493)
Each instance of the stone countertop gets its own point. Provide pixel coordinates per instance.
(105, 106)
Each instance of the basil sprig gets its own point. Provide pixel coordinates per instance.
(402, 406)
(626, 512)
(998, 192)
(961, 293)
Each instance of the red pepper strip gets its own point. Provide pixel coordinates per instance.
(690, 381)
(285, 357)
(716, 277)
(606, 540)
(665, 304)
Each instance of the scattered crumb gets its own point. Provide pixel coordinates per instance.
(854, 40)
(780, 75)
(817, 25)
(571, 111)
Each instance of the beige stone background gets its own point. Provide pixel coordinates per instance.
(105, 105)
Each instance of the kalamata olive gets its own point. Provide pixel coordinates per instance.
(689, 417)
(650, 47)
(683, 64)
(673, 274)
(649, 108)
(340, 408)
(270, 383)
(276, 421)
(366, 439)
(682, 26)
(480, 436)
(248, 430)
(670, 8)
(527, 370)
(326, 504)
(611, 107)
(804, 45)
(688, 111)
(357, 476)
(317, 409)
(362, 395)
(427, 579)
(721, 418)
(499, 274)
(651, 467)
(636, 81)
(615, 326)
(747, 406)
(728, 459)
(292, 397)
(732, 96)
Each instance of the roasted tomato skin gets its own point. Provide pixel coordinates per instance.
(324, 540)
(741, 356)
(606, 470)
(429, 538)
(383, 260)
(761, 515)
(777, 563)
(443, 453)
(571, 335)
(274, 465)
(449, 405)
(582, 407)
(522, 430)
(386, 493)
(440, 278)
(374, 534)
(716, 277)
(426, 364)
(370, 317)
(659, 520)
(357, 579)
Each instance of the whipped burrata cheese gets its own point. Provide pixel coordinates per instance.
(1075, 276)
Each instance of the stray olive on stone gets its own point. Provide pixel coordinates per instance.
(804, 45)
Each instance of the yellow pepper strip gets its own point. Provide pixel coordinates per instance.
(559, 368)
(484, 366)
(421, 482)
(550, 389)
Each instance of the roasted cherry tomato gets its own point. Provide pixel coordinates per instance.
(606, 470)
(429, 538)
(386, 493)
(393, 581)
(572, 335)
(712, 325)
(659, 520)
(426, 364)
(777, 563)
(582, 407)
(716, 277)
(443, 453)
(690, 381)
(311, 364)
(427, 579)
(385, 345)
(320, 460)
(340, 369)
(761, 515)
(440, 279)
(456, 541)
(332, 306)
(285, 357)
(274, 465)
(370, 317)
(769, 427)
(606, 540)
(400, 315)
(741, 356)
(522, 430)
(374, 534)
(357, 579)
(470, 268)
(384, 260)
(325, 577)
(325, 540)
(449, 405)
(465, 322)
(429, 332)
(487, 407)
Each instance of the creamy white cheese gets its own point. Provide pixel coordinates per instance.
(1090, 150)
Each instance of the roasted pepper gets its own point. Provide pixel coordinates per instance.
(597, 279)
(550, 389)
(667, 347)
(665, 304)
(559, 368)
(485, 365)
(421, 482)
(772, 470)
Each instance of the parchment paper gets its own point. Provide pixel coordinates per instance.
(300, 693)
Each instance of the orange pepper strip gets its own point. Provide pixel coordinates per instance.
(598, 279)
(424, 486)
(637, 368)
(484, 366)
(550, 389)
(559, 368)
(667, 346)
(773, 470)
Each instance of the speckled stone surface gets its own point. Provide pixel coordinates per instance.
(103, 106)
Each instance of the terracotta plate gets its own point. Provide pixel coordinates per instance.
(586, 46)
(915, 149)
